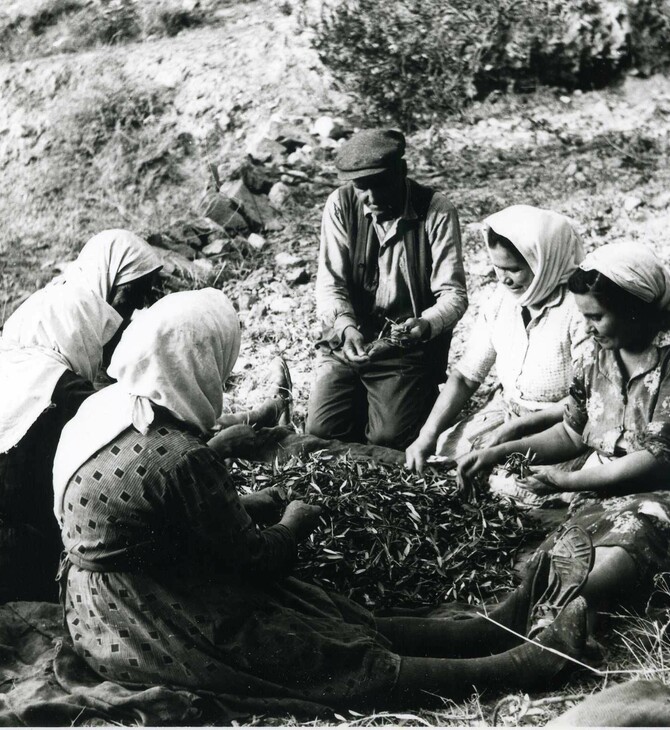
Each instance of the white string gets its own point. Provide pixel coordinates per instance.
(599, 672)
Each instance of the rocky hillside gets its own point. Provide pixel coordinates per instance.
(216, 144)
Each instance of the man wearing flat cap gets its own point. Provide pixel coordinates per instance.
(389, 289)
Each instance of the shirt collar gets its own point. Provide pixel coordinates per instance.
(609, 366)
(553, 301)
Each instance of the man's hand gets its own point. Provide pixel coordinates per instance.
(417, 453)
(414, 329)
(353, 348)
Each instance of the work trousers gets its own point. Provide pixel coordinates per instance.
(383, 402)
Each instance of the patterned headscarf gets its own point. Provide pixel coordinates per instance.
(177, 354)
(54, 330)
(109, 259)
(546, 240)
(635, 268)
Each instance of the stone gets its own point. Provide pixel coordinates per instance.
(327, 127)
(266, 150)
(297, 275)
(256, 209)
(290, 136)
(257, 242)
(255, 177)
(166, 241)
(285, 260)
(281, 305)
(279, 194)
(662, 200)
(214, 248)
(631, 202)
(223, 211)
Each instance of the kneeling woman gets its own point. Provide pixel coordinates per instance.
(619, 406)
(530, 329)
(51, 352)
(169, 580)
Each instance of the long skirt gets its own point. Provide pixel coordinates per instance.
(266, 640)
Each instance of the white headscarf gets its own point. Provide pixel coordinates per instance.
(56, 329)
(176, 354)
(635, 268)
(547, 241)
(110, 258)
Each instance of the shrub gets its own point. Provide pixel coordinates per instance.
(414, 59)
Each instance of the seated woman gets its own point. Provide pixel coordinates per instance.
(51, 351)
(529, 329)
(619, 405)
(168, 580)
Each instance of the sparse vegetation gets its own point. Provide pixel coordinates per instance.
(55, 26)
(414, 61)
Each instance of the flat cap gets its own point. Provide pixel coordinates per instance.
(370, 152)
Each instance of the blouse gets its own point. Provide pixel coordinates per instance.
(616, 416)
(149, 502)
(534, 364)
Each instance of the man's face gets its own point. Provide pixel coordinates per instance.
(383, 193)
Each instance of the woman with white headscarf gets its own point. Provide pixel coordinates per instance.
(529, 329)
(167, 579)
(619, 405)
(51, 351)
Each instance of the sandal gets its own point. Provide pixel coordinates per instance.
(571, 560)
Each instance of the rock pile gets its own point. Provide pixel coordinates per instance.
(286, 158)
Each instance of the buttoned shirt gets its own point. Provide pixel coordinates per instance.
(617, 415)
(534, 363)
(394, 296)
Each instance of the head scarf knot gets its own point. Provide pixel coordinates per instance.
(635, 268)
(177, 354)
(546, 240)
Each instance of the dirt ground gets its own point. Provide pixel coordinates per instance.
(600, 157)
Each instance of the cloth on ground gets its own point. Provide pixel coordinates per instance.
(44, 683)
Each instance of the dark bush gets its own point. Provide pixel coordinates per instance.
(414, 59)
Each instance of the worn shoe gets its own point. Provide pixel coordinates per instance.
(570, 562)
(567, 635)
(515, 611)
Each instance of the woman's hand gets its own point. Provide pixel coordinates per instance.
(301, 517)
(545, 480)
(235, 441)
(417, 453)
(265, 505)
(472, 467)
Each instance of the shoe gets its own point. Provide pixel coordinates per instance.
(516, 610)
(567, 635)
(570, 562)
(281, 386)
